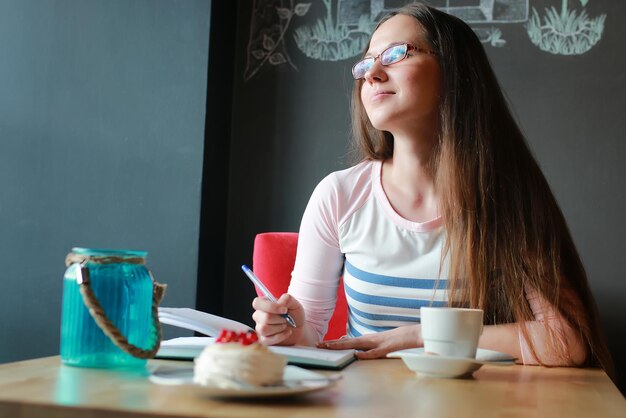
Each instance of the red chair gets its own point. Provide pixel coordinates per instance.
(273, 259)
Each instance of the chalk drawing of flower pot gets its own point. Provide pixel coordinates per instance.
(329, 41)
(566, 32)
(326, 41)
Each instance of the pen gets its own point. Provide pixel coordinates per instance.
(266, 292)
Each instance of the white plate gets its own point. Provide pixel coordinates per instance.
(296, 381)
(433, 365)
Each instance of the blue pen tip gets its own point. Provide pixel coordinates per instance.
(244, 267)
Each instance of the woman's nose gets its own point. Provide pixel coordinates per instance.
(376, 73)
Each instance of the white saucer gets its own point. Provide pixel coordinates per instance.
(296, 381)
(433, 365)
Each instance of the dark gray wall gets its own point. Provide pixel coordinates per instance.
(291, 128)
(102, 107)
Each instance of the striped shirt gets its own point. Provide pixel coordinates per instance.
(391, 266)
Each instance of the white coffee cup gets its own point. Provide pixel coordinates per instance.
(451, 332)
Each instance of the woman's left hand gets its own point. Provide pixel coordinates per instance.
(377, 345)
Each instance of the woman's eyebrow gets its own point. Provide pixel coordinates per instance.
(369, 54)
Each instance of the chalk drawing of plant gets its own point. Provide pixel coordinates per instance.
(494, 37)
(270, 22)
(567, 32)
(330, 41)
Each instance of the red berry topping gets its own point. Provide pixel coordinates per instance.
(227, 336)
(244, 338)
(222, 336)
(249, 337)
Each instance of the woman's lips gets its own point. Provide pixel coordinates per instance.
(381, 95)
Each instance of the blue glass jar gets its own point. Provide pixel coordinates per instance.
(109, 314)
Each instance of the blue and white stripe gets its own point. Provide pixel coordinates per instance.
(378, 302)
(389, 272)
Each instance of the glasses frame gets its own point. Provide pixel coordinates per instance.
(409, 47)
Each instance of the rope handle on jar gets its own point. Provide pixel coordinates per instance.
(115, 335)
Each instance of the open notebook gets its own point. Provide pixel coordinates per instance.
(187, 348)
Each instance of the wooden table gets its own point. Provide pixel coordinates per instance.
(373, 388)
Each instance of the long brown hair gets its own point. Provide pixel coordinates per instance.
(505, 231)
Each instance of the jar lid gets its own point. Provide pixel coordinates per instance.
(99, 252)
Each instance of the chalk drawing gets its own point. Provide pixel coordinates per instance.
(341, 30)
(567, 32)
(330, 39)
(471, 11)
(268, 28)
(481, 15)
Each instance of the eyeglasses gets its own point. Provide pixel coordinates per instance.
(391, 55)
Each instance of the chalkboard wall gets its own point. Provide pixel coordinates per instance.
(102, 107)
(291, 127)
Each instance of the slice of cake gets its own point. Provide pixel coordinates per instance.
(238, 359)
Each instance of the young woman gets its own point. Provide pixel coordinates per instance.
(447, 208)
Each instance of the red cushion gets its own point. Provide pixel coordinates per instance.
(273, 259)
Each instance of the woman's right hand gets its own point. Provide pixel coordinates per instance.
(271, 327)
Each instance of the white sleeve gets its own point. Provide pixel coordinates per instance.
(319, 261)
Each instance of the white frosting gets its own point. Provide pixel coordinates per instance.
(227, 365)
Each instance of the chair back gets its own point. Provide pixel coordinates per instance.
(273, 259)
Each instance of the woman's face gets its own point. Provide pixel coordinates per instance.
(404, 95)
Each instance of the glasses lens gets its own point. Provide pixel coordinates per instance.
(393, 54)
(361, 67)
